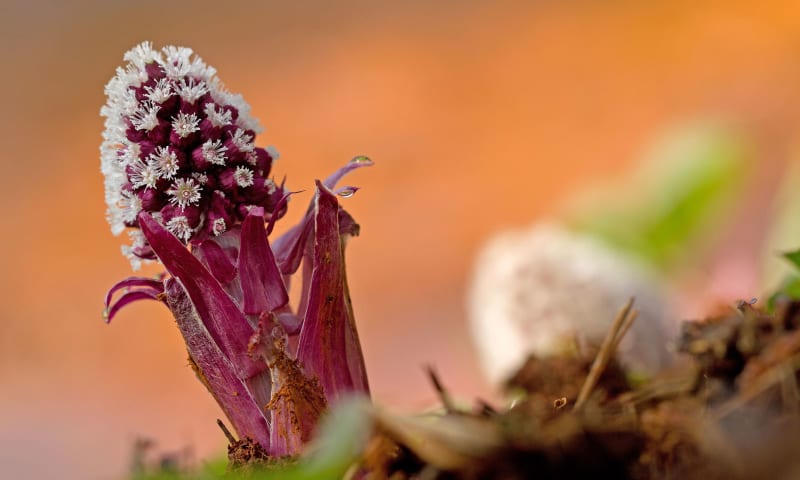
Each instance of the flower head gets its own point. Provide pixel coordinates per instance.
(174, 140)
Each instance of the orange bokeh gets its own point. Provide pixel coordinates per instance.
(479, 116)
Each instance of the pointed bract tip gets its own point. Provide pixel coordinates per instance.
(362, 160)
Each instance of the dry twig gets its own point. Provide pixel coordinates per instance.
(618, 329)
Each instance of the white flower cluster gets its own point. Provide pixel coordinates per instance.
(173, 135)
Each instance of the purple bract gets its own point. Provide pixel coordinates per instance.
(184, 177)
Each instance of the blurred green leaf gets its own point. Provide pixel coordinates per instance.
(782, 233)
(793, 257)
(680, 192)
(789, 290)
(216, 467)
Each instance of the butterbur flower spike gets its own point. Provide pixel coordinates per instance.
(184, 177)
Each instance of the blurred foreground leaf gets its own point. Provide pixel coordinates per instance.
(780, 257)
(341, 439)
(342, 436)
(794, 257)
(790, 290)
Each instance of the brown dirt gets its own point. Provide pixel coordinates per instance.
(730, 411)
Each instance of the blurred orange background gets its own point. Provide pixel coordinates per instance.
(479, 115)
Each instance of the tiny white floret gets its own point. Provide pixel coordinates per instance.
(243, 176)
(214, 152)
(270, 184)
(159, 93)
(185, 124)
(145, 174)
(178, 63)
(166, 160)
(184, 192)
(131, 205)
(190, 90)
(219, 226)
(180, 227)
(242, 140)
(145, 117)
(218, 117)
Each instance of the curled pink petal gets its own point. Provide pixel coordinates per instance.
(356, 162)
(131, 282)
(129, 297)
(289, 247)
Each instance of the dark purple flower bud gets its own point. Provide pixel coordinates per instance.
(261, 190)
(263, 161)
(216, 117)
(226, 180)
(170, 105)
(188, 108)
(185, 129)
(203, 156)
(160, 133)
(239, 143)
(135, 135)
(152, 200)
(218, 217)
(152, 70)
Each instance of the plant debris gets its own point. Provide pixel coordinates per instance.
(730, 411)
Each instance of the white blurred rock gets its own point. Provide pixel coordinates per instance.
(534, 290)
